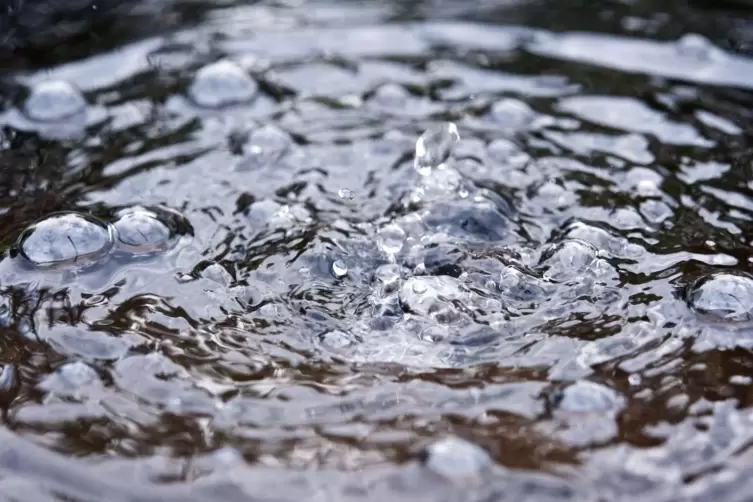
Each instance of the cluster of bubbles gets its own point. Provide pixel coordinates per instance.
(58, 109)
(77, 239)
(430, 291)
(724, 295)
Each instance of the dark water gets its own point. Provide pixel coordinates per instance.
(430, 250)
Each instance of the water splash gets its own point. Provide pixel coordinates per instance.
(434, 147)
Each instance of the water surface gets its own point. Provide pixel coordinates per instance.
(442, 250)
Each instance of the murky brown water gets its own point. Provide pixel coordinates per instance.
(431, 250)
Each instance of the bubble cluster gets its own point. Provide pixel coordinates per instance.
(69, 238)
(432, 296)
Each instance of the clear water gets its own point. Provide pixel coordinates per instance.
(430, 250)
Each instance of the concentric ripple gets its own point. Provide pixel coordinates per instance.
(368, 251)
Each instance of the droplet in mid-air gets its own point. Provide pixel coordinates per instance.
(220, 84)
(725, 295)
(53, 101)
(434, 147)
(143, 230)
(339, 269)
(65, 238)
(346, 194)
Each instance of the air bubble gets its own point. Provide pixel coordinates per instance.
(147, 230)
(725, 295)
(513, 114)
(54, 101)
(339, 269)
(65, 238)
(588, 397)
(391, 96)
(265, 147)
(457, 460)
(222, 84)
(696, 46)
(434, 147)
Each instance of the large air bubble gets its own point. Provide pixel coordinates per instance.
(65, 238)
(725, 295)
(147, 230)
(221, 84)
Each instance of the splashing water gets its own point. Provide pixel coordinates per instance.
(434, 147)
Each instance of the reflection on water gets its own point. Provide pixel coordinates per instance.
(430, 250)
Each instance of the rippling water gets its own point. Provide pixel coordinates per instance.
(495, 250)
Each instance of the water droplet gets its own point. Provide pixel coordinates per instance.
(391, 239)
(346, 194)
(266, 146)
(339, 269)
(53, 101)
(725, 295)
(434, 147)
(220, 84)
(145, 230)
(65, 238)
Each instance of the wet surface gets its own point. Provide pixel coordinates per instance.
(378, 251)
